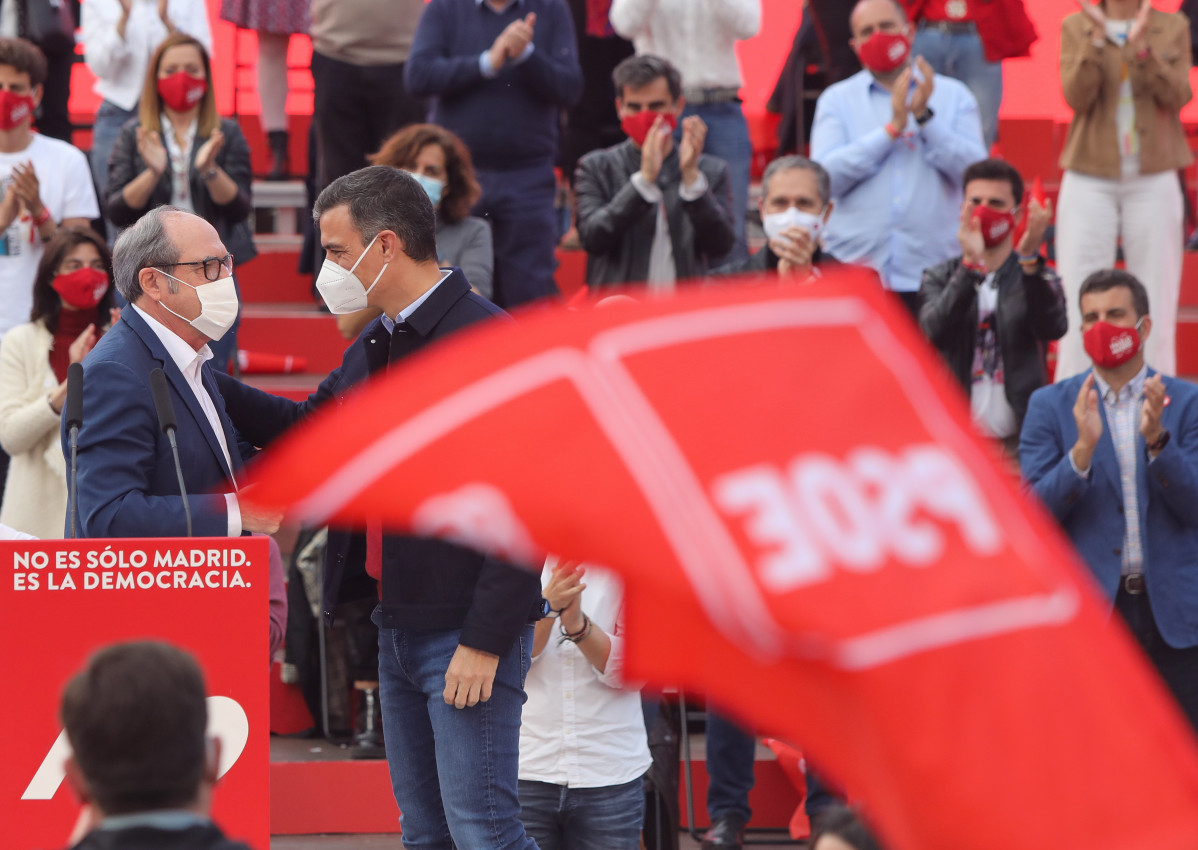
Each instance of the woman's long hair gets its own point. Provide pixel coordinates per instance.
(461, 187)
(150, 110)
(46, 301)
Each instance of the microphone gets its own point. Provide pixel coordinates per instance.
(73, 413)
(169, 425)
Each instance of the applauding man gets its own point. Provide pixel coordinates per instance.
(649, 210)
(992, 311)
(1113, 453)
(896, 139)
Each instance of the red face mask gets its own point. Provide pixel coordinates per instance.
(181, 91)
(996, 226)
(1110, 346)
(882, 52)
(82, 288)
(637, 126)
(14, 109)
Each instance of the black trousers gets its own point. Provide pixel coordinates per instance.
(356, 108)
(1178, 667)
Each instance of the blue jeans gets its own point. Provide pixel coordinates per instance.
(730, 755)
(728, 138)
(107, 126)
(524, 225)
(453, 771)
(960, 55)
(564, 818)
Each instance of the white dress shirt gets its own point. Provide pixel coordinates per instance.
(120, 63)
(580, 728)
(663, 273)
(190, 362)
(698, 37)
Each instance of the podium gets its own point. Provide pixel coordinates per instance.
(62, 600)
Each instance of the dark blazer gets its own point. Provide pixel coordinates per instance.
(616, 225)
(127, 481)
(199, 837)
(1030, 314)
(427, 584)
(1090, 510)
(230, 220)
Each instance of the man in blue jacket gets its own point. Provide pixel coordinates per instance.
(176, 274)
(1113, 453)
(502, 71)
(455, 630)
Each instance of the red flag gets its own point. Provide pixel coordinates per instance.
(809, 531)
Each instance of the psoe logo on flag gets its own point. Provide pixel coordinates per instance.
(820, 513)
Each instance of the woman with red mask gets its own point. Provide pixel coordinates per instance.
(1125, 73)
(180, 152)
(72, 305)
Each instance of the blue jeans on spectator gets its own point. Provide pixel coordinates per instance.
(453, 771)
(730, 756)
(520, 206)
(105, 129)
(960, 55)
(728, 138)
(564, 818)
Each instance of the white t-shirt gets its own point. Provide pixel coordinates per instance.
(1125, 109)
(991, 410)
(65, 184)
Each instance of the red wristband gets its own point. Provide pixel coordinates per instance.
(892, 131)
(42, 218)
(1143, 54)
(979, 268)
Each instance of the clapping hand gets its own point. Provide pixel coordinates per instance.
(1089, 423)
(82, 345)
(27, 188)
(655, 149)
(1154, 405)
(923, 87)
(794, 249)
(1094, 12)
(1139, 26)
(898, 99)
(969, 234)
(1038, 219)
(694, 134)
(510, 43)
(565, 586)
(151, 150)
(206, 156)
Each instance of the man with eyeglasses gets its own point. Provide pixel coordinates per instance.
(176, 274)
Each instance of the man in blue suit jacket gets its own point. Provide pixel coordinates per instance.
(1113, 453)
(169, 266)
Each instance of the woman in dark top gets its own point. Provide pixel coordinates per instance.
(180, 152)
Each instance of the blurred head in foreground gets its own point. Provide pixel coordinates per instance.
(843, 830)
(137, 719)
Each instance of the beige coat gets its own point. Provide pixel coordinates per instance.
(1091, 77)
(35, 497)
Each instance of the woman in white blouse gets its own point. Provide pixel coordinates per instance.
(119, 37)
(583, 748)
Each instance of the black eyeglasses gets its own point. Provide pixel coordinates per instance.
(212, 266)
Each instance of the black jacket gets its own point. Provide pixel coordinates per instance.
(427, 584)
(230, 220)
(616, 225)
(199, 837)
(1030, 314)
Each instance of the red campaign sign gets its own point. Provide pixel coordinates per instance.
(63, 600)
(809, 531)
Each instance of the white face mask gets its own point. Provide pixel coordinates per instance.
(776, 223)
(341, 290)
(218, 306)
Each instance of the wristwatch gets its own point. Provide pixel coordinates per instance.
(548, 610)
(209, 174)
(1159, 443)
(925, 118)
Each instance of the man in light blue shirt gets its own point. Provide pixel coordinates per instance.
(896, 140)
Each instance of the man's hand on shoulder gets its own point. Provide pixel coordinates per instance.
(470, 676)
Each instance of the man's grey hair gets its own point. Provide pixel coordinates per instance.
(380, 198)
(823, 182)
(143, 245)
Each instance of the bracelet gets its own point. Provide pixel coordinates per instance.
(892, 131)
(209, 174)
(578, 636)
(41, 218)
(1143, 54)
(977, 268)
(1032, 260)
